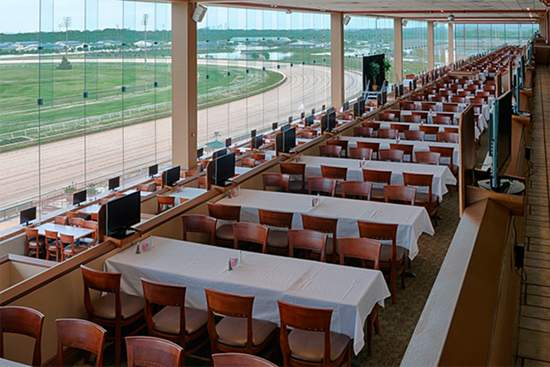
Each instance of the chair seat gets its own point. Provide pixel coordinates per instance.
(277, 238)
(422, 198)
(295, 186)
(309, 345)
(32, 243)
(225, 232)
(87, 241)
(377, 194)
(105, 307)
(77, 249)
(385, 253)
(167, 320)
(52, 246)
(232, 331)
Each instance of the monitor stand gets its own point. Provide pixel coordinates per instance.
(123, 234)
(507, 186)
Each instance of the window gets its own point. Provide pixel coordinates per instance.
(415, 47)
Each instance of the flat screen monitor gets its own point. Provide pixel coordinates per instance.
(224, 169)
(274, 126)
(228, 142)
(414, 84)
(114, 183)
(258, 141)
(302, 115)
(172, 176)
(309, 120)
(289, 140)
(328, 122)
(122, 213)
(324, 123)
(313, 111)
(253, 134)
(346, 106)
(289, 119)
(27, 215)
(219, 153)
(330, 110)
(500, 132)
(153, 170)
(285, 127)
(323, 107)
(200, 152)
(384, 96)
(79, 197)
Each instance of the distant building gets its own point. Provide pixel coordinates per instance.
(143, 44)
(71, 44)
(259, 39)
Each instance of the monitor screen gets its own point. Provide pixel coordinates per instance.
(302, 115)
(200, 152)
(172, 176)
(346, 106)
(414, 84)
(219, 153)
(313, 111)
(331, 121)
(114, 183)
(224, 169)
(330, 110)
(153, 170)
(258, 141)
(274, 126)
(27, 215)
(323, 107)
(324, 123)
(285, 127)
(384, 97)
(310, 120)
(122, 213)
(289, 119)
(228, 142)
(253, 133)
(79, 197)
(289, 140)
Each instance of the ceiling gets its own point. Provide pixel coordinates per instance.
(463, 10)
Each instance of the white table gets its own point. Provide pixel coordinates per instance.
(77, 232)
(187, 193)
(456, 115)
(419, 146)
(412, 220)
(442, 175)
(350, 292)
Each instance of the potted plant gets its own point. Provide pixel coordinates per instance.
(386, 64)
(374, 70)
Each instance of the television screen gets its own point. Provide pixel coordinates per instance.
(310, 120)
(114, 183)
(172, 176)
(346, 105)
(253, 133)
(313, 111)
(324, 123)
(258, 141)
(153, 170)
(122, 213)
(219, 153)
(384, 96)
(414, 84)
(289, 140)
(285, 127)
(228, 142)
(331, 121)
(274, 126)
(27, 215)
(330, 110)
(224, 169)
(79, 197)
(302, 115)
(200, 152)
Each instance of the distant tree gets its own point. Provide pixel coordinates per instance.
(255, 56)
(65, 64)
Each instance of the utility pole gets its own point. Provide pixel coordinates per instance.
(144, 22)
(66, 23)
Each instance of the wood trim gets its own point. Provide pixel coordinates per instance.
(26, 260)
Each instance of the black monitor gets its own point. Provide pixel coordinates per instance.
(219, 153)
(114, 183)
(274, 126)
(324, 107)
(330, 110)
(289, 119)
(309, 120)
(122, 213)
(228, 142)
(345, 107)
(153, 170)
(172, 176)
(401, 91)
(331, 120)
(258, 141)
(313, 111)
(253, 134)
(224, 169)
(27, 215)
(384, 96)
(79, 197)
(302, 115)
(289, 140)
(285, 127)
(359, 108)
(500, 136)
(413, 87)
(200, 152)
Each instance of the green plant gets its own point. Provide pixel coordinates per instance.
(69, 189)
(65, 64)
(387, 67)
(373, 70)
(92, 190)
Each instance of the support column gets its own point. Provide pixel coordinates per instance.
(451, 42)
(398, 50)
(184, 86)
(337, 59)
(431, 48)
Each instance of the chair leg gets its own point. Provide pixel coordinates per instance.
(369, 335)
(377, 325)
(118, 343)
(393, 286)
(451, 190)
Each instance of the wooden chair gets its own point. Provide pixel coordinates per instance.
(330, 151)
(34, 242)
(277, 239)
(71, 215)
(375, 147)
(377, 177)
(341, 143)
(69, 247)
(428, 158)
(61, 220)
(115, 310)
(386, 117)
(392, 257)
(392, 155)
(407, 106)
(250, 233)
(429, 130)
(356, 189)
(278, 180)
(53, 246)
(295, 170)
(92, 240)
(375, 126)
(322, 185)
(143, 187)
(307, 240)
(367, 252)
(119, 195)
(80, 334)
(450, 108)
(224, 232)
(447, 153)
(411, 118)
(399, 194)
(311, 343)
(438, 99)
(248, 162)
(182, 325)
(324, 225)
(149, 351)
(428, 200)
(447, 137)
(477, 100)
(259, 158)
(239, 359)
(401, 128)
(387, 134)
(198, 223)
(364, 132)
(428, 106)
(441, 120)
(77, 222)
(360, 153)
(415, 135)
(458, 99)
(307, 134)
(23, 321)
(237, 331)
(103, 201)
(165, 203)
(337, 173)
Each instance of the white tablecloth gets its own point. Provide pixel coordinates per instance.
(412, 220)
(442, 174)
(419, 146)
(415, 126)
(455, 115)
(186, 193)
(350, 292)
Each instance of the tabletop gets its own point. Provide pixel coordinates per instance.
(77, 232)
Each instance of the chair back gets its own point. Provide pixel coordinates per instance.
(428, 158)
(438, 99)
(407, 106)
(341, 143)
(450, 108)
(427, 129)
(399, 194)
(375, 147)
(392, 155)
(365, 132)
(239, 359)
(251, 233)
(248, 162)
(279, 180)
(81, 334)
(330, 151)
(386, 116)
(458, 99)
(294, 169)
(415, 135)
(441, 120)
(60, 220)
(323, 225)
(400, 127)
(307, 240)
(275, 219)
(444, 152)
(24, 321)
(356, 189)
(419, 180)
(387, 134)
(381, 232)
(373, 125)
(363, 249)
(224, 212)
(31, 233)
(143, 187)
(258, 156)
(52, 235)
(322, 185)
(360, 153)
(165, 202)
(339, 173)
(447, 137)
(197, 223)
(149, 351)
(77, 222)
(411, 118)
(102, 282)
(377, 176)
(71, 215)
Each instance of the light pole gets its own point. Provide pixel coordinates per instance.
(66, 23)
(144, 22)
